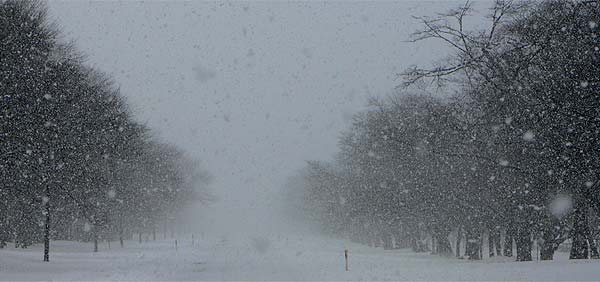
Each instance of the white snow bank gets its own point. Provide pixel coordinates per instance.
(285, 258)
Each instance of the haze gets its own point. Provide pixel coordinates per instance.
(253, 89)
(300, 141)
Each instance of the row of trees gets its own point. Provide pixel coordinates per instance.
(512, 153)
(73, 162)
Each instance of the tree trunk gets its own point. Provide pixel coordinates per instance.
(414, 244)
(548, 246)
(165, 230)
(547, 251)
(376, 240)
(403, 242)
(458, 238)
(593, 249)
(95, 242)
(473, 244)
(154, 233)
(491, 240)
(417, 245)
(481, 245)
(388, 243)
(494, 242)
(140, 237)
(121, 237)
(508, 241)
(524, 245)
(497, 243)
(443, 246)
(46, 226)
(579, 234)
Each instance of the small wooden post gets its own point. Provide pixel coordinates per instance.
(346, 258)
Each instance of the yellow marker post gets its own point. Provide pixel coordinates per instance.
(346, 257)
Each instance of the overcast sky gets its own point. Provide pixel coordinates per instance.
(253, 89)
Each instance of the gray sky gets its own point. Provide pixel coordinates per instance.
(252, 88)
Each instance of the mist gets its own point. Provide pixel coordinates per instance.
(252, 89)
(303, 140)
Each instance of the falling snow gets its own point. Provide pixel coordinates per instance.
(241, 141)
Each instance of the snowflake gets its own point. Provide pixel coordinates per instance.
(528, 136)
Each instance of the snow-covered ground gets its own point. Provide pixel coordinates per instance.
(277, 257)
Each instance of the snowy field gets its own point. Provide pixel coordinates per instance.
(274, 258)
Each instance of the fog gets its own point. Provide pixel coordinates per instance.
(299, 141)
(253, 89)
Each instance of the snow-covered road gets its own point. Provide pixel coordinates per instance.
(277, 257)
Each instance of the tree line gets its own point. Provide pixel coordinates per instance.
(74, 163)
(509, 155)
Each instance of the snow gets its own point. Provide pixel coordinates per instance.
(529, 136)
(561, 205)
(276, 257)
(112, 193)
(207, 92)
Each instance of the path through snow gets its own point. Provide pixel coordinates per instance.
(274, 258)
